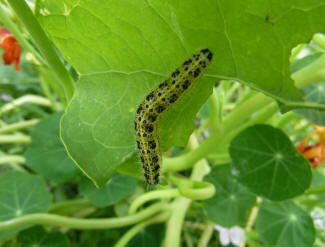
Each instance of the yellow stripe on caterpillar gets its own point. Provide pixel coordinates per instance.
(156, 103)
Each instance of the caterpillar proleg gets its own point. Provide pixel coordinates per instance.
(156, 103)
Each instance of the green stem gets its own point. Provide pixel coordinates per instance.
(16, 138)
(6, 159)
(231, 90)
(48, 79)
(48, 94)
(319, 39)
(44, 45)
(18, 34)
(175, 222)
(123, 241)
(219, 159)
(282, 120)
(152, 195)
(180, 205)
(18, 126)
(306, 105)
(215, 109)
(69, 207)
(206, 235)
(196, 190)
(317, 189)
(315, 72)
(34, 99)
(75, 223)
(188, 240)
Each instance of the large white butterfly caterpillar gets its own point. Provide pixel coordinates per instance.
(158, 101)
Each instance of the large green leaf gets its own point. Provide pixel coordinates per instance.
(264, 160)
(38, 237)
(122, 48)
(47, 155)
(284, 224)
(231, 203)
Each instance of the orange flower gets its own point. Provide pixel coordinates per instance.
(11, 47)
(315, 153)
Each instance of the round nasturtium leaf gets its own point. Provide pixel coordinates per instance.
(21, 194)
(118, 187)
(231, 203)
(283, 224)
(46, 155)
(38, 237)
(267, 163)
(314, 93)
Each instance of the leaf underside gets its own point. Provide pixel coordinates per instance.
(122, 49)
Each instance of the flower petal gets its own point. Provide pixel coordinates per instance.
(224, 235)
(12, 51)
(237, 235)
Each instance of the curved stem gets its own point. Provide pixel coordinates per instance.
(196, 190)
(44, 45)
(137, 228)
(74, 223)
(152, 195)
(206, 235)
(180, 205)
(18, 126)
(34, 99)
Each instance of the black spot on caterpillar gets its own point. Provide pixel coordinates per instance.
(156, 103)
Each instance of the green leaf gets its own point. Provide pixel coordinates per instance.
(95, 238)
(131, 167)
(37, 236)
(151, 236)
(47, 155)
(121, 55)
(264, 160)
(21, 194)
(314, 93)
(284, 224)
(231, 203)
(117, 188)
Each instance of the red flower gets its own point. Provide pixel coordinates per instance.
(11, 47)
(315, 153)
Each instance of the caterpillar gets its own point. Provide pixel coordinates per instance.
(156, 103)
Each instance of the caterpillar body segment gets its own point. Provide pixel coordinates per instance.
(156, 103)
